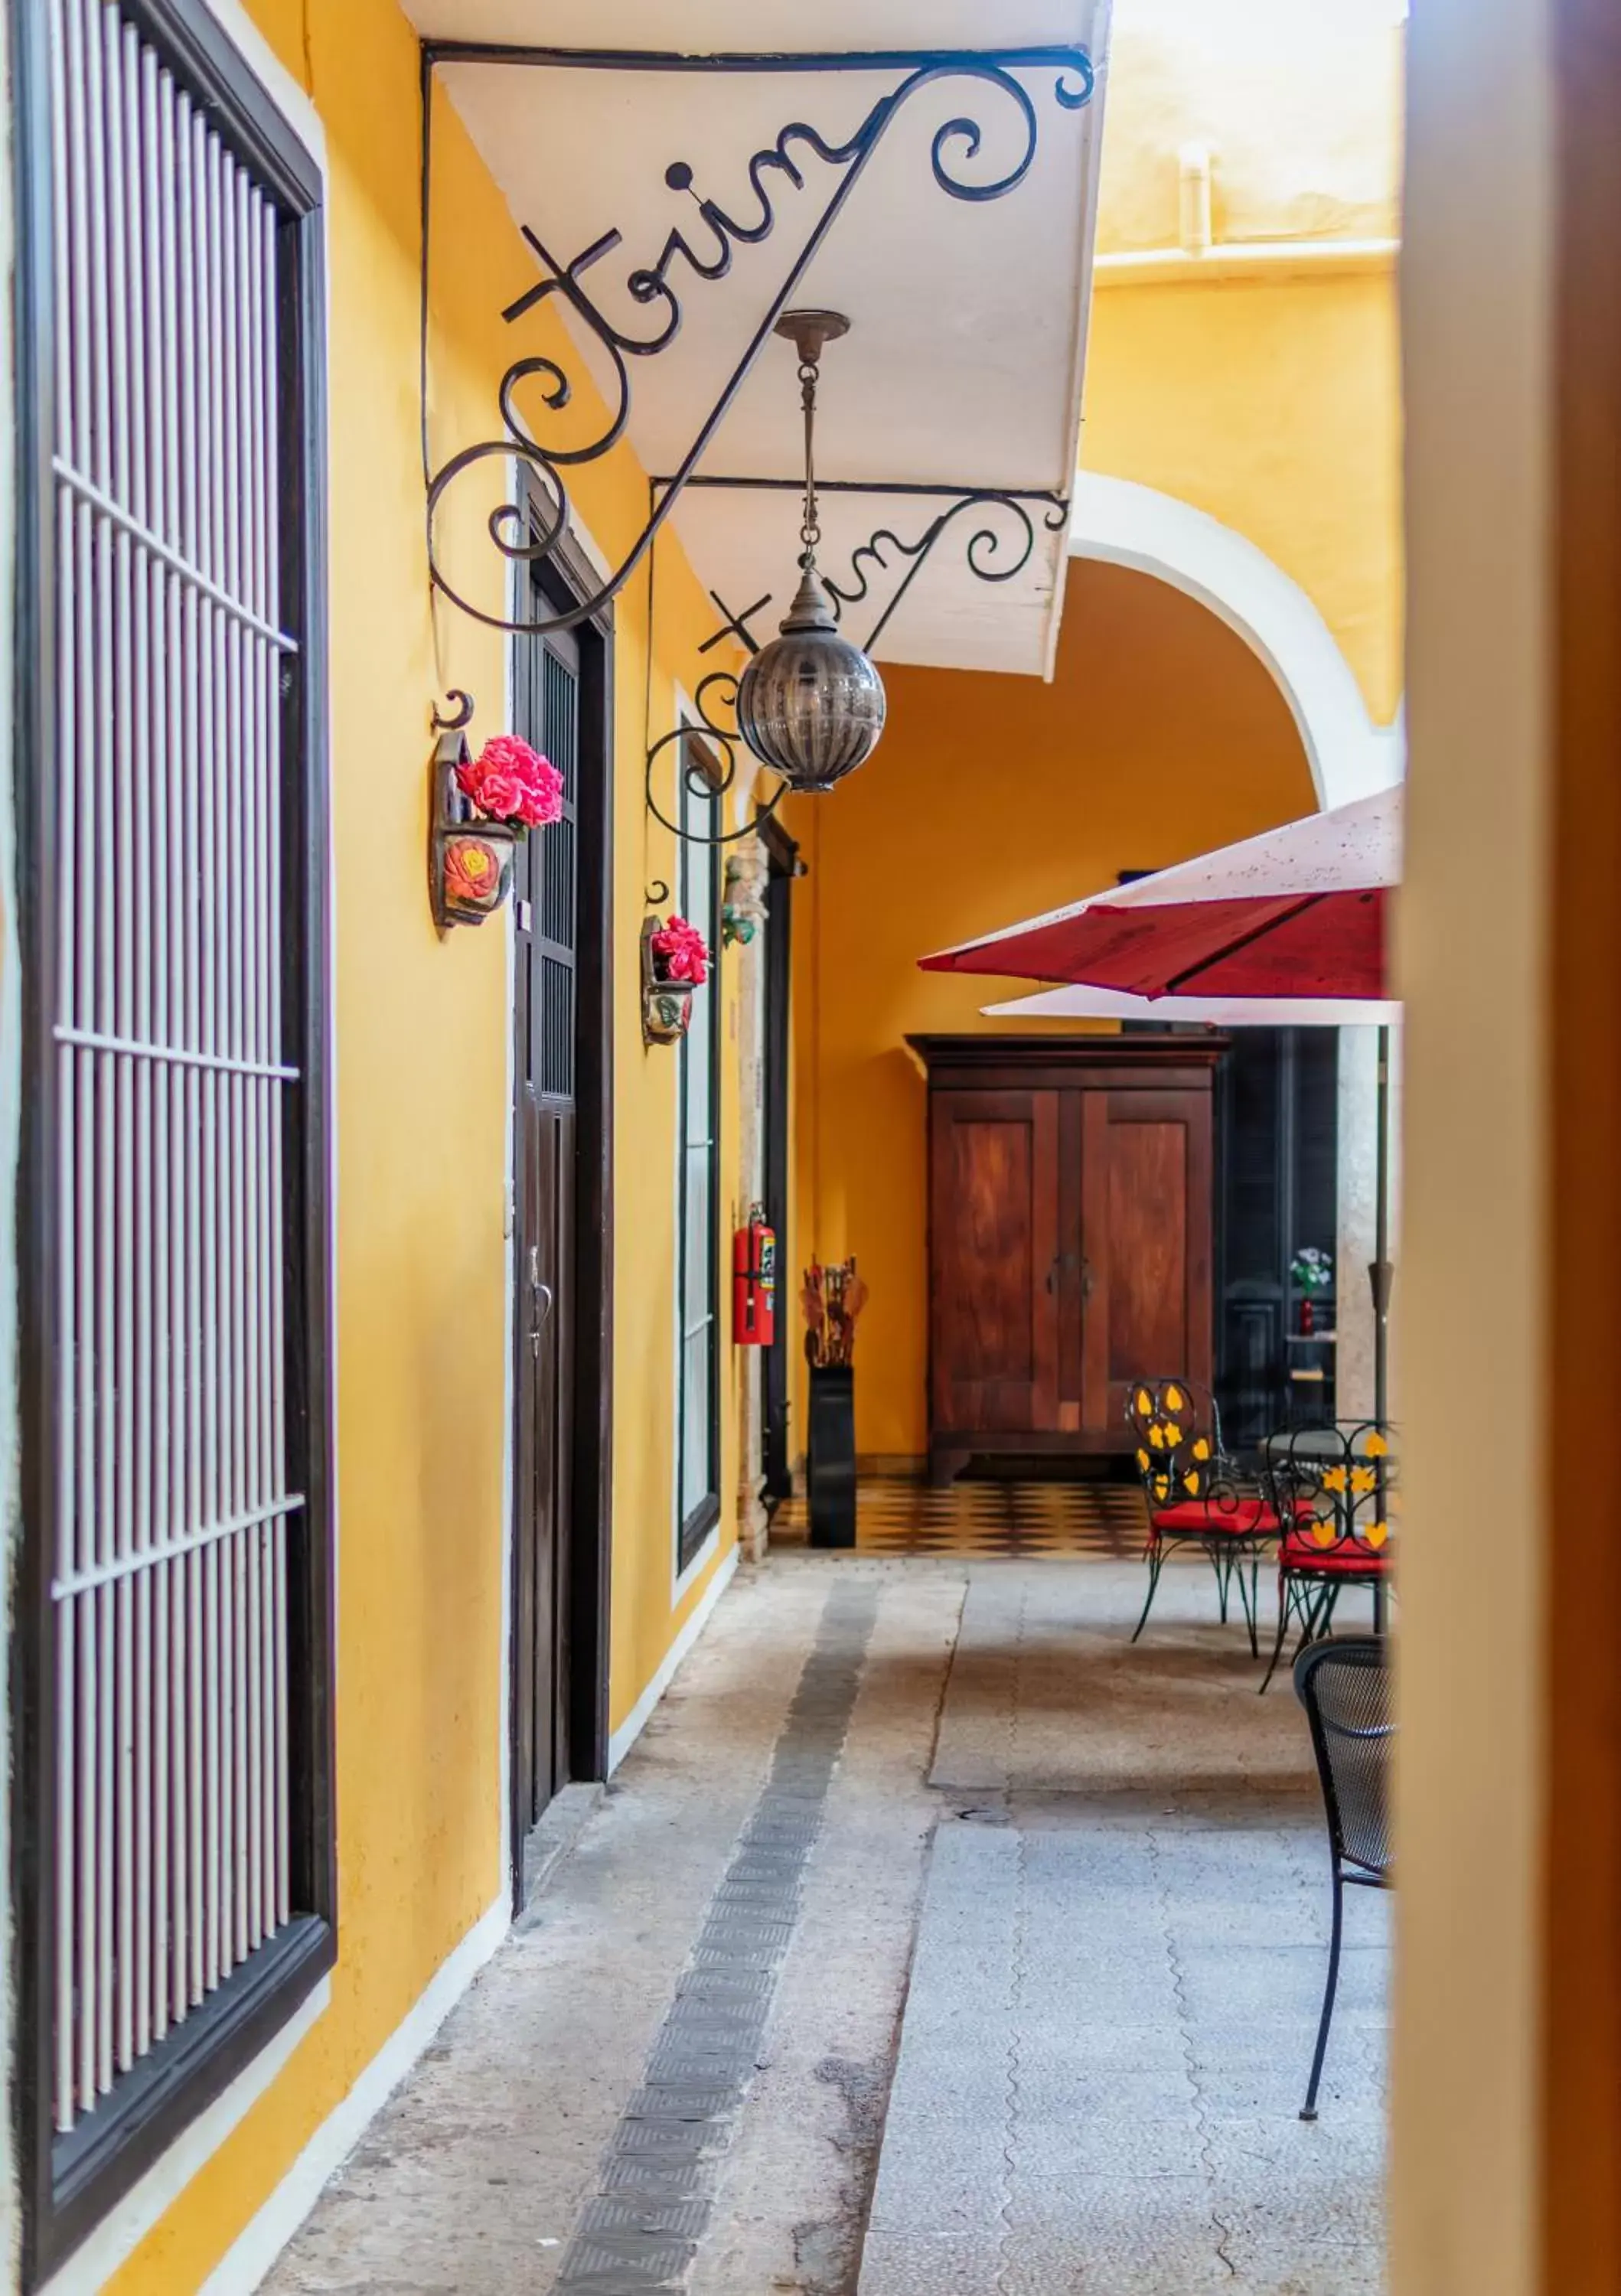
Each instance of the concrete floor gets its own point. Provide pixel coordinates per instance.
(932, 1938)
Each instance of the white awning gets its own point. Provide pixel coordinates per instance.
(962, 370)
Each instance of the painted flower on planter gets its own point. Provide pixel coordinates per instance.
(680, 952)
(472, 872)
(510, 782)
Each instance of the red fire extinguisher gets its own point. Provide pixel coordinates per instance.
(754, 1283)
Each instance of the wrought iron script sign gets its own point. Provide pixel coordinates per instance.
(774, 174)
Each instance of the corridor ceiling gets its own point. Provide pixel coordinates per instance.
(963, 366)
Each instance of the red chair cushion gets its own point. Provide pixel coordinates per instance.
(1211, 1518)
(1298, 1553)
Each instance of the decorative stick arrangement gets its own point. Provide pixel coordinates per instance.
(830, 1300)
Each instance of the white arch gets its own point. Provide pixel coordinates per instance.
(1121, 523)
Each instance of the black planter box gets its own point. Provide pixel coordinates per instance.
(831, 1457)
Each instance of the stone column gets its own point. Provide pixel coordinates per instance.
(1358, 1166)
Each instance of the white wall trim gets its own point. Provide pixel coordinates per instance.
(294, 104)
(248, 2259)
(117, 2236)
(683, 1577)
(625, 1736)
(516, 581)
(1120, 524)
(1274, 261)
(695, 1568)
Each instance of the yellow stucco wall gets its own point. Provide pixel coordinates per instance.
(1272, 403)
(992, 799)
(422, 1052)
(1275, 407)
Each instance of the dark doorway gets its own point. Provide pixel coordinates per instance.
(1277, 1160)
(784, 866)
(561, 1227)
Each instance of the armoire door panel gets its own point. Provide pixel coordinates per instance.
(1147, 1237)
(996, 1291)
(1074, 1282)
(1153, 1197)
(1095, 1288)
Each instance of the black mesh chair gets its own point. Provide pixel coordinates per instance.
(1344, 1687)
(1198, 1495)
(1337, 1489)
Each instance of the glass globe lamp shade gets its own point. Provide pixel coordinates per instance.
(810, 705)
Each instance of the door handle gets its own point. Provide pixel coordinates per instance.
(542, 1309)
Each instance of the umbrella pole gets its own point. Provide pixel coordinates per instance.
(1380, 1272)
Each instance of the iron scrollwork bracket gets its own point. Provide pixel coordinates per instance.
(991, 556)
(716, 692)
(955, 145)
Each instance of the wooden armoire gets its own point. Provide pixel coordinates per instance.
(1071, 1217)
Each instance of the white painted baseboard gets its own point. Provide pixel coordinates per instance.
(248, 2258)
(625, 1736)
(119, 2235)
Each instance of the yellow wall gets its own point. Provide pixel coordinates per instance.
(1276, 407)
(1272, 403)
(422, 1114)
(991, 799)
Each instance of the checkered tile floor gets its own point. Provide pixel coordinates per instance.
(987, 1519)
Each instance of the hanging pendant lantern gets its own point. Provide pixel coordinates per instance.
(811, 705)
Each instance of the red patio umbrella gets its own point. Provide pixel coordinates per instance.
(1297, 912)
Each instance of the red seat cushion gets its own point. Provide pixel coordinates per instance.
(1298, 1553)
(1213, 1518)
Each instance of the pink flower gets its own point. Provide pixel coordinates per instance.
(508, 780)
(681, 952)
(495, 794)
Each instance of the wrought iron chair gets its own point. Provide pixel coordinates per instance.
(1197, 1494)
(1346, 1689)
(1336, 1489)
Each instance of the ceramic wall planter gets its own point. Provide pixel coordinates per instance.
(479, 813)
(666, 1005)
(470, 861)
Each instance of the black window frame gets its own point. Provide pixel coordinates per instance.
(695, 1524)
(69, 2185)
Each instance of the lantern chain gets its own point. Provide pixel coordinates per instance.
(810, 532)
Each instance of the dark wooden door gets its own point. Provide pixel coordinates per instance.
(545, 1304)
(996, 1266)
(1145, 1245)
(546, 893)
